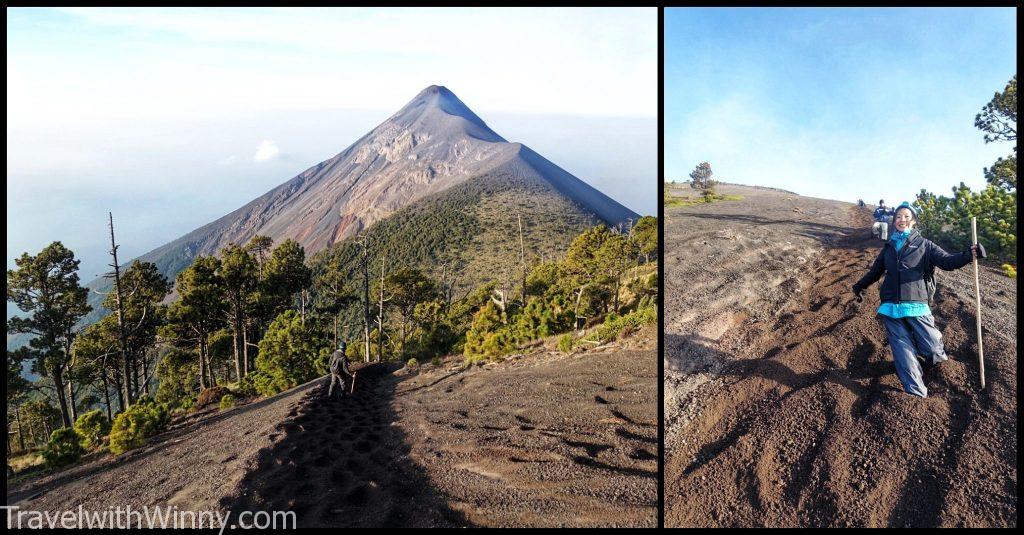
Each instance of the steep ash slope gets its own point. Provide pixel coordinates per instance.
(432, 144)
(781, 400)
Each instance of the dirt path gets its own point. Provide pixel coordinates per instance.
(544, 440)
(342, 462)
(191, 466)
(784, 408)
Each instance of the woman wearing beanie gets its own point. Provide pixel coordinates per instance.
(908, 260)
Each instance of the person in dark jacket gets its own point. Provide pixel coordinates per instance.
(338, 365)
(883, 217)
(907, 260)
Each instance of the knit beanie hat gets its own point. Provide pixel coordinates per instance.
(908, 206)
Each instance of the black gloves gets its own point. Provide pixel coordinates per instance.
(981, 250)
(859, 292)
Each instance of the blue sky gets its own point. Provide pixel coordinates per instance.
(171, 118)
(835, 103)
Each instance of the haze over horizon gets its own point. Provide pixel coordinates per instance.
(243, 117)
(835, 103)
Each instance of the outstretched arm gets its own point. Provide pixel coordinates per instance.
(873, 274)
(947, 261)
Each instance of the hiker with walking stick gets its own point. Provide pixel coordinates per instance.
(908, 262)
(338, 365)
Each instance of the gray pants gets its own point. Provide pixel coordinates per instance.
(908, 338)
(880, 229)
(336, 378)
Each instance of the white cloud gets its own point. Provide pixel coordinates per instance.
(267, 150)
(231, 159)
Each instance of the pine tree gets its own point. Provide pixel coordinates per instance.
(46, 288)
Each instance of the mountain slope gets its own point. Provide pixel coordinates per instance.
(432, 144)
(474, 225)
(781, 402)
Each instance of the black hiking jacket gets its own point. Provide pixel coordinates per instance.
(338, 363)
(908, 272)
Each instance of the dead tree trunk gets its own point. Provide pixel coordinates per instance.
(380, 315)
(21, 433)
(202, 367)
(500, 296)
(448, 280)
(209, 363)
(72, 405)
(302, 307)
(106, 386)
(245, 348)
(364, 265)
(576, 309)
(118, 388)
(236, 326)
(145, 375)
(522, 257)
(122, 334)
(58, 381)
(444, 284)
(618, 283)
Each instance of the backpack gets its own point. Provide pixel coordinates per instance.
(335, 363)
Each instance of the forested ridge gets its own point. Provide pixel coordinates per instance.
(479, 269)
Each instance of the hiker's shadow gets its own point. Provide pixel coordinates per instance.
(693, 354)
(342, 463)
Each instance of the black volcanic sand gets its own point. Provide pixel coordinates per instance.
(543, 440)
(342, 463)
(190, 466)
(782, 401)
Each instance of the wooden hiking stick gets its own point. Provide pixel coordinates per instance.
(354, 374)
(977, 295)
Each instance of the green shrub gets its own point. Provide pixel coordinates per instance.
(265, 384)
(436, 361)
(246, 388)
(615, 325)
(544, 317)
(178, 372)
(92, 427)
(412, 363)
(290, 354)
(1010, 271)
(489, 335)
(565, 343)
(187, 403)
(227, 401)
(64, 448)
(947, 220)
(132, 427)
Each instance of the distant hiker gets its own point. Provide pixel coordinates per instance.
(908, 261)
(883, 215)
(338, 365)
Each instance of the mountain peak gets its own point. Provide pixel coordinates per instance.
(438, 100)
(432, 144)
(435, 93)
